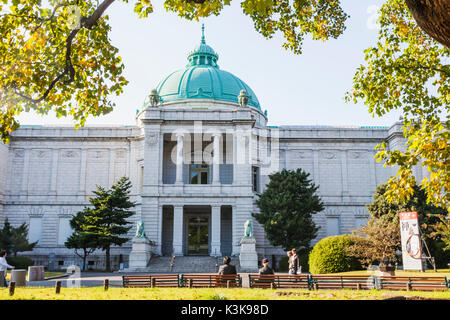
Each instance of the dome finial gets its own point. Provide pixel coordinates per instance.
(203, 33)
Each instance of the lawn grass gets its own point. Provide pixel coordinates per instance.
(401, 273)
(98, 293)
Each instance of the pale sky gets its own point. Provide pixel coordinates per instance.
(306, 89)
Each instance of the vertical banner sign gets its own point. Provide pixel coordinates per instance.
(411, 242)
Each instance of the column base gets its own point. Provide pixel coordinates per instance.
(215, 251)
(248, 258)
(140, 254)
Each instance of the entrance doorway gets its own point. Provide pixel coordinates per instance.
(198, 235)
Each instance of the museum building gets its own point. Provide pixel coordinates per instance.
(198, 155)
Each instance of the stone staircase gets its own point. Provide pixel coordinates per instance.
(188, 264)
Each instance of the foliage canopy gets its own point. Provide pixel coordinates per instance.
(286, 208)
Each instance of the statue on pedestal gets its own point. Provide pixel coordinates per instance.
(248, 229)
(243, 98)
(140, 232)
(248, 258)
(154, 98)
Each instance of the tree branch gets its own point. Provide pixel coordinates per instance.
(85, 22)
(433, 17)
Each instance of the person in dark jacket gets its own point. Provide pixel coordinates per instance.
(227, 268)
(266, 269)
(296, 267)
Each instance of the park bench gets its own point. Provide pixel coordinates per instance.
(279, 281)
(210, 280)
(342, 282)
(151, 280)
(413, 283)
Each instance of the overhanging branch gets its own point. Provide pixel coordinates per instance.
(85, 22)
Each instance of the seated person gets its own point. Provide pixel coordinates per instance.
(266, 269)
(227, 268)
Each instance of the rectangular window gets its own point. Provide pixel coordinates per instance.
(64, 230)
(35, 230)
(255, 179)
(199, 173)
(333, 228)
(360, 222)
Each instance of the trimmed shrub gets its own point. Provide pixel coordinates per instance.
(20, 262)
(329, 256)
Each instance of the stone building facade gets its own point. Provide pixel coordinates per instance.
(198, 154)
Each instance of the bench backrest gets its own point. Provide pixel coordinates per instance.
(210, 280)
(414, 283)
(278, 281)
(157, 280)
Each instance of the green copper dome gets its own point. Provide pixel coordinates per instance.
(202, 79)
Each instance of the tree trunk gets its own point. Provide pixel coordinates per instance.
(433, 17)
(84, 259)
(108, 262)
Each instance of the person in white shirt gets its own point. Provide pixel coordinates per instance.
(3, 267)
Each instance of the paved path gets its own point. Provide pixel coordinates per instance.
(90, 279)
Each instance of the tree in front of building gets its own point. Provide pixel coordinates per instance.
(441, 230)
(379, 240)
(408, 71)
(80, 240)
(428, 215)
(286, 209)
(15, 239)
(107, 221)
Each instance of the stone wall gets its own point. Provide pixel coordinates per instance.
(48, 173)
(341, 162)
(51, 173)
(4, 154)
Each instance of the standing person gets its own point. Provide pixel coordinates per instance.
(295, 262)
(227, 268)
(4, 267)
(290, 263)
(266, 269)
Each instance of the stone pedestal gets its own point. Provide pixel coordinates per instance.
(36, 273)
(248, 259)
(140, 255)
(18, 276)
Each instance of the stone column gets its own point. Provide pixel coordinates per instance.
(234, 232)
(215, 230)
(26, 163)
(83, 164)
(178, 230)
(160, 220)
(344, 175)
(112, 162)
(216, 158)
(179, 176)
(54, 174)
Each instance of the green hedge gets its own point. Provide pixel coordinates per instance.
(329, 256)
(20, 262)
